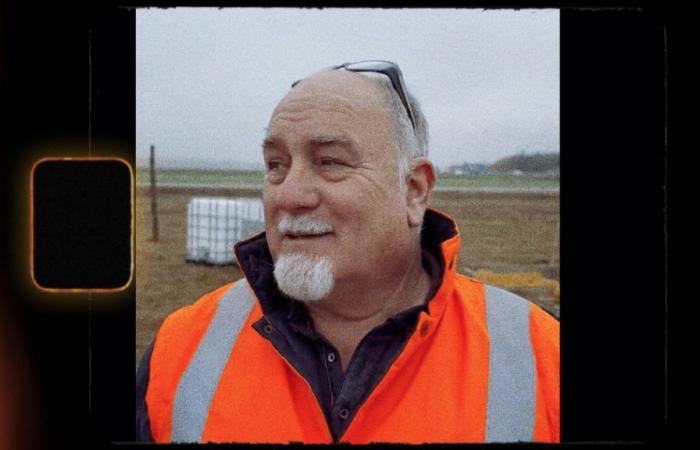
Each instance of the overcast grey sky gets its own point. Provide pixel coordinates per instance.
(208, 79)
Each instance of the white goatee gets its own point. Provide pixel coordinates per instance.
(300, 276)
(304, 278)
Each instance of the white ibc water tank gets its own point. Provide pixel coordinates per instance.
(214, 224)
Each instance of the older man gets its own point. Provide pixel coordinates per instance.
(351, 323)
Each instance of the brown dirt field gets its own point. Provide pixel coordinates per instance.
(500, 232)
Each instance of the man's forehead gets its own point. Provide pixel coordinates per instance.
(332, 91)
(339, 81)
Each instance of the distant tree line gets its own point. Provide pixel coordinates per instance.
(527, 163)
(542, 164)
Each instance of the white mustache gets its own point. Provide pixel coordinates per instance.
(302, 225)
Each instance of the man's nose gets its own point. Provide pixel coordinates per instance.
(298, 191)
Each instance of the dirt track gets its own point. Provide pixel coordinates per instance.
(501, 232)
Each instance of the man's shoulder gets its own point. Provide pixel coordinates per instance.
(203, 303)
(476, 288)
(468, 284)
(197, 314)
(484, 290)
(542, 328)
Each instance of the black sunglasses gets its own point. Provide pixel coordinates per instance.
(387, 68)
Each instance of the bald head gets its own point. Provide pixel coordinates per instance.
(335, 92)
(338, 106)
(339, 81)
(371, 95)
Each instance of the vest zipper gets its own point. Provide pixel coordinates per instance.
(320, 410)
(368, 395)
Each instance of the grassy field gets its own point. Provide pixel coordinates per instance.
(505, 237)
(238, 178)
(499, 182)
(194, 176)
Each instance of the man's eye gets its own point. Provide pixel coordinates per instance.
(330, 162)
(274, 171)
(274, 164)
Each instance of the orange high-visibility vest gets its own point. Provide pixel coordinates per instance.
(482, 365)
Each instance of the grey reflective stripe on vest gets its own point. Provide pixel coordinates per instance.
(510, 409)
(198, 383)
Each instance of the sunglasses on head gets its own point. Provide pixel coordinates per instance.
(387, 68)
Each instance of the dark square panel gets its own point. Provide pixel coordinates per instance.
(82, 223)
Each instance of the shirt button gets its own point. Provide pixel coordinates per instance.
(343, 413)
(331, 357)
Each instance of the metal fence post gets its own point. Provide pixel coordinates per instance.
(154, 206)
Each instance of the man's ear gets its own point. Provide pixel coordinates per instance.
(420, 180)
